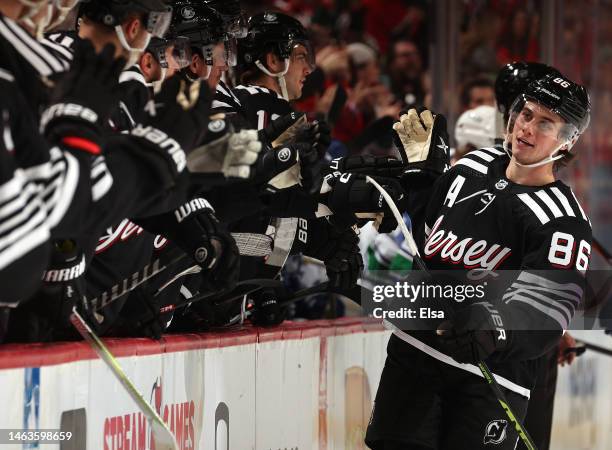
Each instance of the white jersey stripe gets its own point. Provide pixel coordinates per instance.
(550, 312)
(218, 104)
(554, 209)
(564, 202)
(132, 75)
(35, 234)
(66, 53)
(545, 282)
(535, 208)
(482, 155)
(32, 58)
(66, 193)
(472, 164)
(51, 61)
(6, 75)
(493, 150)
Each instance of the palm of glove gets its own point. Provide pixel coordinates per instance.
(422, 141)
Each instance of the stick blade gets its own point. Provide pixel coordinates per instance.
(164, 440)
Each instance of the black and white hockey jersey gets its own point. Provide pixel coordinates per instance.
(477, 219)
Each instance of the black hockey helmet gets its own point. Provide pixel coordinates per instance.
(272, 31)
(157, 13)
(514, 78)
(561, 96)
(233, 17)
(204, 27)
(181, 51)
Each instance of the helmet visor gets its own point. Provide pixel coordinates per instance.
(231, 51)
(158, 22)
(532, 121)
(215, 55)
(181, 52)
(302, 52)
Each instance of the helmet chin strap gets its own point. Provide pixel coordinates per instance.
(280, 76)
(550, 158)
(157, 85)
(135, 52)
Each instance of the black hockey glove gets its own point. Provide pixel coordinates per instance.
(338, 247)
(82, 101)
(318, 135)
(350, 194)
(268, 310)
(279, 167)
(375, 166)
(283, 129)
(474, 333)
(422, 140)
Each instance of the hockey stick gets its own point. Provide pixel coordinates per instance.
(484, 368)
(164, 440)
(582, 346)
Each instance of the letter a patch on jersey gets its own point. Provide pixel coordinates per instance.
(454, 190)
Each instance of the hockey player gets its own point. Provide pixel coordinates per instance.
(511, 80)
(157, 177)
(491, 211)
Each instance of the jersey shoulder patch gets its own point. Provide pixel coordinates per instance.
(551, 203)
(478, 161)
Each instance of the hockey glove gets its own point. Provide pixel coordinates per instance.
(423, 142)
(268, 310)
(318, 135)
(287, 166)
(338, 247)
(282, 131)
(474, 333)
(82, 101)
(351, 195)
(375, 166)
(226, 151)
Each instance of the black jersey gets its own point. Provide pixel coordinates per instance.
(260, 105)
(225, 101)
(476, 219)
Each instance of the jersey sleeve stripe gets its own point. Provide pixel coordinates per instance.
(23, 49)
(6, 75)
(560, 305)
(23, 241)
(493, 150)
(564, 202)
(557, 293)
(482, 155)
(64, 195)
(534, 207)
(465, 161)
(552, 206)
(551, 312)
(218, 104)
(538, 280)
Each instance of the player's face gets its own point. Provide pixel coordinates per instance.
(536, 133)
(299, 69)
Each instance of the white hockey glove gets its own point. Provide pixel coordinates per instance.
(225, 151)
(423, 141)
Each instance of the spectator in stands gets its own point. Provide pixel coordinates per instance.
(477, 92)
(519, 39)
(405, 70)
